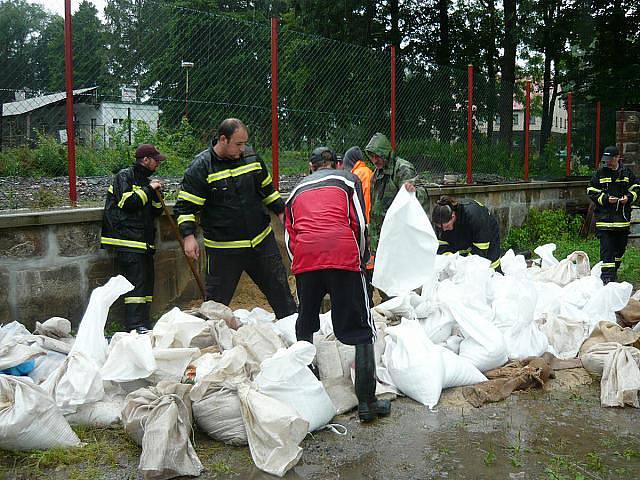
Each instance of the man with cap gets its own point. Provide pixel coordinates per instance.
(128, 227)
(613, 188)
(229, 187)
(326, 238)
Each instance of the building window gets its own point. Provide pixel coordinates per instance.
(532, 120)
(556, 122)
(497, 122)
(118, 121)
(515, 119)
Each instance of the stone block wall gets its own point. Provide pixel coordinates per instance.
(628, 137)
(50, 262)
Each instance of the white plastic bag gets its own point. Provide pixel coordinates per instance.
(285, 377)
(286, 328)
(458, 371)
(565, 335)
(255, 316)
(414, 364)
(29, 419)
(545, 252)
(406, 252)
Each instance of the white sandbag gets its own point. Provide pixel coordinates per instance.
(342, 393)
(548, 303)
(594, 358)
(217, 311)
(575, 266)
(620, 379)
(222, 333)
(274, 431)
(406, 253)
(399, 307)
(574, 297)
(55, 327)
(286, 328)
(204, 365)
(13, 353)
(512, 264)
(256, 316)
(130, 358)
(75, 382)
(285, 377)
(333, 358)
(216, 406)
(458, 371)
(159, 420)
(326, 325)
(436, 321)
(414, 364)
(606, 302)
(483, 342)
(545, 252)
(260, 341)
(29, 419)
(176, 329)
(90, 340)
(11, 330)
(104, 413)
(565, 335)
(45, 365)
(453, 343)
(171, 363)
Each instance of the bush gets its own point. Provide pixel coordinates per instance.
(540, 227)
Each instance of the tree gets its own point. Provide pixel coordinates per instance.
(508, 70)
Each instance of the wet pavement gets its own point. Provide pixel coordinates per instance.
(560, 433)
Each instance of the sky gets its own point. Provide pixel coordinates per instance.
(57, 6)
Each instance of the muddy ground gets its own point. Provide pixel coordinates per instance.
(557, 433)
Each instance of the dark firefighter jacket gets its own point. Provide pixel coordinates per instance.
(607, 183)
(128, 223)
(231, 197)
(475, 232)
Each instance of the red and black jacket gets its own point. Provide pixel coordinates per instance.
(325, 223)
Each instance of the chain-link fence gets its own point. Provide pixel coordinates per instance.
(170, 82)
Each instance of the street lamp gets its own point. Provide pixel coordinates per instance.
(186, 66)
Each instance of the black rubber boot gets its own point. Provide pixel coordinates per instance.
(369, 408)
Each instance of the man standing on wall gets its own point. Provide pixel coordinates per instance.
(231, 188)
(613, 188)
(326, 237)
(129, 227)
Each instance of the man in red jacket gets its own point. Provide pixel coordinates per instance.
(326, 238)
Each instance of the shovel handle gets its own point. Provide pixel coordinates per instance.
(177, 234)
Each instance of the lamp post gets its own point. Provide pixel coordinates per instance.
(187, 66)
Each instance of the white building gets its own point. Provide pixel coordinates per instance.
(97, 122)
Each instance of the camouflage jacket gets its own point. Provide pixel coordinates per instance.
(386, 183)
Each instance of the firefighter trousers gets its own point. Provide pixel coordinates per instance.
(138, 269)
(613, 243)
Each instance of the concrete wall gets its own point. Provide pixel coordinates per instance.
(50, 262)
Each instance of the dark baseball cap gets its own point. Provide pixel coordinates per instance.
(148, 150)
(610, 152)
(317, 155)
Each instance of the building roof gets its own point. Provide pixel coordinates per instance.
(30, 104)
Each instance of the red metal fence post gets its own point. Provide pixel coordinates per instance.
(275, 164)
(597, 163)
(569, 123)
(469, 124)
(527, 117)
(393, 97)
(71, 135)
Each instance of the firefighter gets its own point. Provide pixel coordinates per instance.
(613, 188)
(128, 227)
(230, 188)
(466, 227)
